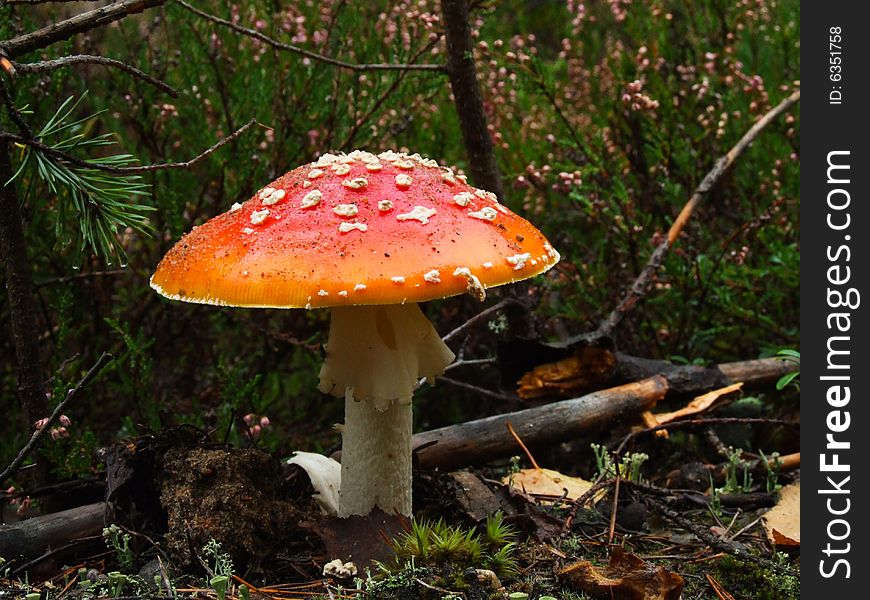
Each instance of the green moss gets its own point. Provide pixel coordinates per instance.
(742, 579)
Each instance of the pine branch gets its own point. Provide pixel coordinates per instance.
(122, 170)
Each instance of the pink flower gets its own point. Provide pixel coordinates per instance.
(24, 504)
(265, 423)
(41, 423)
(59, 432)
(65, 421)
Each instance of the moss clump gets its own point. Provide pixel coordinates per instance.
(435, 559)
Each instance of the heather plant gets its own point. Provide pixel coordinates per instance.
(608, 116)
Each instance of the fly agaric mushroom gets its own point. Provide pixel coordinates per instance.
(368, 236)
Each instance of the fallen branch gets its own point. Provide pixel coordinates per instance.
(641, 284)
(694, 379)
(31, 538)
(55, 415)
(484, 439)
(654, 498)
(481, 440)
(559, 370)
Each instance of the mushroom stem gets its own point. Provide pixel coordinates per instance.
(375, 458)
(374, 357)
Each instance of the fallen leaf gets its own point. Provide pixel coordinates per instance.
(544, 482)
(474, 497)
(547, 482)
(783, 522)
(529, 517)
(626, 577)
(358, 538)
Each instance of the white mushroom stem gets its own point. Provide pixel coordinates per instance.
(375, 458)
(374, 357)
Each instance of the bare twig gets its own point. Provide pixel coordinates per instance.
(611, 530)
(79, 59)
(77, 276)
(477, 318)
(55, 415)
(69, 158)
(577, 504)
(522, 445)
(12, 110)
(470, 362)
(690, 423)
(641, 284)
(726, 161)
(480, 390)
(253, 33)
(80, 23)
(359, 122)
(12, 2)
(701, 532)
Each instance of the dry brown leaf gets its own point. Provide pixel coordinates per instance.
(546, 482)
(626, 577)
(783, 522)
(699, 404)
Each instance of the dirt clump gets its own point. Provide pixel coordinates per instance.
(237, 497)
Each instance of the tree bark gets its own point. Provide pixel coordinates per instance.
(468, 98)
(22, 308)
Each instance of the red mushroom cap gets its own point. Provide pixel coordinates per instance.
(355, 229)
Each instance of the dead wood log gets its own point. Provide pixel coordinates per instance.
(31, 538)
(484, 439)
(693, 379)
(548, 370)
(477, 441)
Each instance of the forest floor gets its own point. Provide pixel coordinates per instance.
(177, 514)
